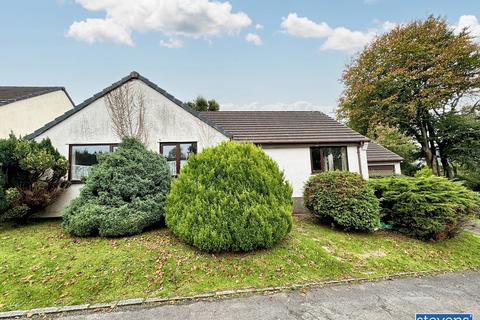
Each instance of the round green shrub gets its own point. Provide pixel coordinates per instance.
(231, 197)
(425, 207)
(123, 194)
(344, 199)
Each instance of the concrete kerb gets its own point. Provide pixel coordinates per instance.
(206, 296)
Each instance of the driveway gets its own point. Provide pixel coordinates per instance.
(395, 299)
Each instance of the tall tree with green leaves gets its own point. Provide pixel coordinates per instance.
(394, 140)
(411, 79)
(459, 140)
(202, 104)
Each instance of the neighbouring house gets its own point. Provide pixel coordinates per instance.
(25, 109)
(302, 143)
(381, 161)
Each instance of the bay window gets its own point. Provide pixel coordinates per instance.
(177, 154)
(328, 158)
(83, 157)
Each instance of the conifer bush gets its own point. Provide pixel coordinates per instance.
(426, 207)
(31, 177)
(231, 197)
(344, 199)
(123, 194)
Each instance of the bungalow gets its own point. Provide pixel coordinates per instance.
(24, 109)
(301, 142)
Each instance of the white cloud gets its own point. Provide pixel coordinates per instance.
(339, 38)
(472, 25)
(304, 27)
(387, 26)
(100, 30)
(254, 38)
(259, 26)
(186, 18)
(279, 106)
(172, 43)
(345, 39)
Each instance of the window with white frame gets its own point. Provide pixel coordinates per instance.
(84, 156)
(328, 158)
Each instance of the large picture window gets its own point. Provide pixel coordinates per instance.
(177, 154)
(83, 157)
(328, 158)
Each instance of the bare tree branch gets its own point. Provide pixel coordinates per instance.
(126, 107)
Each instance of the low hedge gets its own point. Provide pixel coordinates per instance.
(425, 207)
(231, 197)
(344, 199)
(123, 194)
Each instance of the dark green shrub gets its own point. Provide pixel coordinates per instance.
(3, 197)
(32, 176)
(425, 206)
(344, 199)
(123, 194)
(231, 197)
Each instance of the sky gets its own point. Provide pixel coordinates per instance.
(247, 54)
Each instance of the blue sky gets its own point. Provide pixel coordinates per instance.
(295, 56)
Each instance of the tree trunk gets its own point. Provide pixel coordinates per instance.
(447, 167)
(433, 148)
(428, 149)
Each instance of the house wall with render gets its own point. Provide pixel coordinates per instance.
(165, 122)
(296, 164)
(25, 116)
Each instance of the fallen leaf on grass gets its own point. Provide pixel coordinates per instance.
(27, 278)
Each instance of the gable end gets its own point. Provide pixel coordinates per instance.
(132, 76)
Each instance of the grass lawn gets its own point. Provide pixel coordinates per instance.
(42, 266)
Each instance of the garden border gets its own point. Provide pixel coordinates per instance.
(216, 294)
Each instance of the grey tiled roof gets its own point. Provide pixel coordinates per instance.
(10, 94)
(293, 127)
(283, 127)
(378, 153)
(133, 75)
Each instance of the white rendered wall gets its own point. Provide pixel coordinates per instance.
(363, 160)
(398, 169)
(296, 164)
(25, 116)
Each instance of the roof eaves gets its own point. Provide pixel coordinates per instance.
(32, 95)
(385, 160)
(77, 108)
